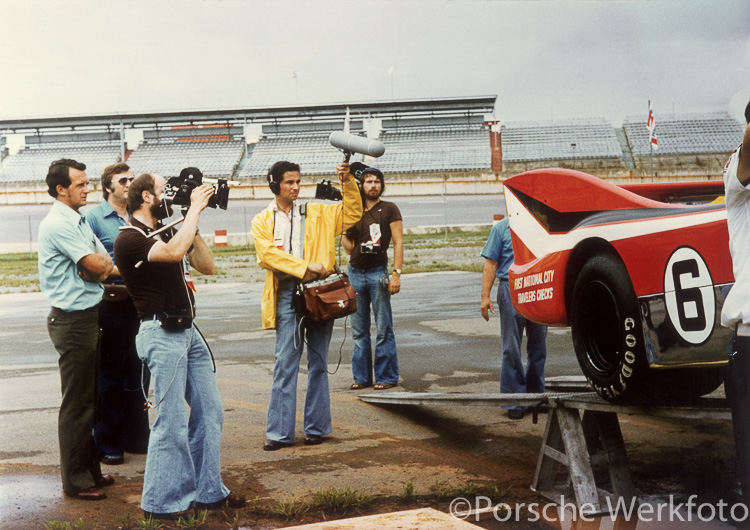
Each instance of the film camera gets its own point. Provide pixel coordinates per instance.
(177, 190)
(327, 191)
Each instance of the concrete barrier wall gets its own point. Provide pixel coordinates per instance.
(469, 183)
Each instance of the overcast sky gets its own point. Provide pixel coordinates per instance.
(542, 59)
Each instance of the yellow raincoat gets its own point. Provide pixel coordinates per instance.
(323, 222)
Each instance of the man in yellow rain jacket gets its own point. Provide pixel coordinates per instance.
(289, 259)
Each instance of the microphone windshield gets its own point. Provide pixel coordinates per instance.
(357, 144)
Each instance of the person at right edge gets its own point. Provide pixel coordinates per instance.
(736, 311)
(290, 257)
(367, 242)
(498, 256)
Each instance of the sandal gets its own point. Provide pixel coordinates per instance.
(384, 386)
(359, 386)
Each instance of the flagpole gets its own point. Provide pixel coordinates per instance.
(651, 145)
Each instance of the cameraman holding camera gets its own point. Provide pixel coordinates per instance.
(296, 244)
(367, 242)
(182, 466)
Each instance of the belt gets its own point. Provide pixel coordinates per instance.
(148, 318)
(503, 279)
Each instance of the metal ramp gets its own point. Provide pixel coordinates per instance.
(573, 446)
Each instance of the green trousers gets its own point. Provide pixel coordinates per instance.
(75, 336)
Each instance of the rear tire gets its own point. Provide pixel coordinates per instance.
(610, 346)
(607, 333)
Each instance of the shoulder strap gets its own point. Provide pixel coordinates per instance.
(303, 214)
(126, 227)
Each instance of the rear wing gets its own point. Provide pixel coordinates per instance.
(544, 202)
(679, 192)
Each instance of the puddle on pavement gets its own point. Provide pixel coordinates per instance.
(29, 494)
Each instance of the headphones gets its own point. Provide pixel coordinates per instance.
(272, 182)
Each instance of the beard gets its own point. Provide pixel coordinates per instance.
(373, 194)
(161, 210)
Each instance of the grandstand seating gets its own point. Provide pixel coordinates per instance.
(713, 133)
(591, 138)
(435, 144)
(31, 163)
(304, 143)
(167, 157)
(688, 144)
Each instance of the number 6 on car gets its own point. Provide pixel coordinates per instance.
(639, 277)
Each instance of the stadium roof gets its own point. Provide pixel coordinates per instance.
(375, 109)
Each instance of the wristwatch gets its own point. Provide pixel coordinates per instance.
(397, 271)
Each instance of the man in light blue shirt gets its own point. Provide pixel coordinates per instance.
(121, 419)
(72, 265)
(498, 254)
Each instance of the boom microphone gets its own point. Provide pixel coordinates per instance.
(351, 143)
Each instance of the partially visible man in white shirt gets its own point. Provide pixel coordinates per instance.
(736, 311)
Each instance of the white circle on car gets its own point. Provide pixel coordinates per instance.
(689, 295)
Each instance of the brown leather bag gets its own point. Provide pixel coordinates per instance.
(330, 298)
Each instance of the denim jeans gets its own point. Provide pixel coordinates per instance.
(183, 461)
(513, 378)
(371, 291)
(121, 421)
(290, 339)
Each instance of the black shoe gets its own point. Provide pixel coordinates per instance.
(168, 516)
(112, 460)
(313, 439)
(516, 414)
(233, 500)
(274, 445)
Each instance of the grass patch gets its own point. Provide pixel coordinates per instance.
(148, 524)
(441, 240)
(193, 520)
(19, 272)
(447, 490)
(408, 491)
(54, 524)
(325, 502)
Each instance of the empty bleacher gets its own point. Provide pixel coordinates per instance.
(303, 143)
(570, 140)
(216, 151)
(30, 164)
(685, 134)
(450, 144)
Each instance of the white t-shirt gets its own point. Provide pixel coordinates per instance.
(737, 305)
(287, 230)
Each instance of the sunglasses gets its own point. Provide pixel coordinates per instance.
(123, 180)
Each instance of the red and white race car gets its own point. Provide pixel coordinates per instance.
(638, 271)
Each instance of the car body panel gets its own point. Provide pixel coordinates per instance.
(677, 255)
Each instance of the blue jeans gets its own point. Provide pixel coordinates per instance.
(290, 339)
(370, 291)
(183, 461)
(513, 378)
